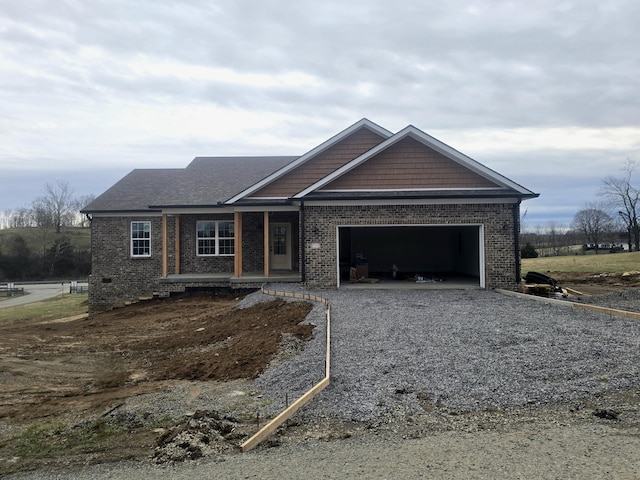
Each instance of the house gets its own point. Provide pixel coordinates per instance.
(386, 205)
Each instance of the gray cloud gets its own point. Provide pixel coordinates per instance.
(104, 83)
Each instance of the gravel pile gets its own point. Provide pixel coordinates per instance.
(460, 349)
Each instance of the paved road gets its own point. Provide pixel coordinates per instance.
(38, 292)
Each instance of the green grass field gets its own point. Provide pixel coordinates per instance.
(58, 307)
(601, 263)
(80, 238)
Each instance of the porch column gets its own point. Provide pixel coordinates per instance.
(237, 233)
(164, 246)
(266, 244)
(177, 227)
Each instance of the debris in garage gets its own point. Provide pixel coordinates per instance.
(422, 279)
(368, 280)
(356, 275)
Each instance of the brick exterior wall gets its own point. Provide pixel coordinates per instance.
(252, 242)
(321, 224)
(189, 261)
(116, 277)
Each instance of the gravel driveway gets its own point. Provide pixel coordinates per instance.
(400, 353)
(461, 349)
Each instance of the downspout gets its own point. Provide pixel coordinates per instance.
(516, 239)
(303, 238)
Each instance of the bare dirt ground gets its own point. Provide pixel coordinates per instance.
(596, 283)
(88, 367)
(69, 377)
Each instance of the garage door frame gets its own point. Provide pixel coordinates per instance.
(481, 250)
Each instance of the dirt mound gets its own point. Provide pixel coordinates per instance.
(86, 365)
(218, 345)
(206, 432)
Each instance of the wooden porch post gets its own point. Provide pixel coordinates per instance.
(164, 246)
(237, 259)
(177, 226)
(266, 244)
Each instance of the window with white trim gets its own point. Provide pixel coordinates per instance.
(214, 238)
(140, 239)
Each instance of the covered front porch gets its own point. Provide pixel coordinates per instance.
(264, 247)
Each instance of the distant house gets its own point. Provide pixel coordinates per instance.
(366, 201)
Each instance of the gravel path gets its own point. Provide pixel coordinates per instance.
(465, 360)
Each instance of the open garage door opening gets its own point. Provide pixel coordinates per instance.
(412, 254)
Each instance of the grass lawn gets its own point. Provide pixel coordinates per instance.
(601, 263)
(59, 307)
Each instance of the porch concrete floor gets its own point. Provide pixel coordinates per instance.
(248, 277)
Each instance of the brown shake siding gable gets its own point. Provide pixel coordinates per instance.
(409, 165)
(321, 165)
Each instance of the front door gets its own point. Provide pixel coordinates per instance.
(280, 246)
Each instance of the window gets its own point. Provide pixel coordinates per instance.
(279, 240)
(140, 239)
(215, 238)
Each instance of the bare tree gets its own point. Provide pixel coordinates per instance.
(20, 218)
(620, 195)
(555, 236)
(594, 223)
(55, 207)
(42, 219)
(40, 213)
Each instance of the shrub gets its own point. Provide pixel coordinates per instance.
(528, 251)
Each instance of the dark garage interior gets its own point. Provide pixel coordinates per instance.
(410, 253)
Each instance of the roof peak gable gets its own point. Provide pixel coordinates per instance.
(363, 123)
(411, 131)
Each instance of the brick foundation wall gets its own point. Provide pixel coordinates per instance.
(321, 224)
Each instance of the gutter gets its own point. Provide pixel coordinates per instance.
(225, 205)
(303, 238)
(516, 239)
(422, 197)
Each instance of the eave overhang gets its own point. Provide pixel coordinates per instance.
(449, 195)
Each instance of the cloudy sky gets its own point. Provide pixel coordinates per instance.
(545, 92)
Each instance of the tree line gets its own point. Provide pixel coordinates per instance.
(604, 224)
(54, 209)
(42, 245)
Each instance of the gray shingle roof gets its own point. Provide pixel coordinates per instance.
(206, 181)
